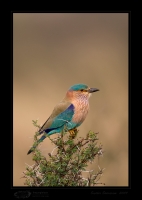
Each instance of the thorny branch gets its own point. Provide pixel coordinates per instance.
(66, 166)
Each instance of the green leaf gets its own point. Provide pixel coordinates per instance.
(64, 168)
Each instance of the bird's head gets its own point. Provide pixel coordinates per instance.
(80, 91)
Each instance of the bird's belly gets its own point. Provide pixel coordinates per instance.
(80, 114)
(79, 117)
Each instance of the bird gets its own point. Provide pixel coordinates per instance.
(70, 112)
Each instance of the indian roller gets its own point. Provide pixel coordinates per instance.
(69, 113)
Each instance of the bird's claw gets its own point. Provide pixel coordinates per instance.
(73, 133)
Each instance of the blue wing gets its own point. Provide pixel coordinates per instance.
(61, 115)
(63, 118)
(58, 118)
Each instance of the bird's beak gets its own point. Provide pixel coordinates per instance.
(91, 90)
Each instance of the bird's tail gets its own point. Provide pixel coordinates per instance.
(36, 144)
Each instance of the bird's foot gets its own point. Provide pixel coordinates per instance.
(73, 133)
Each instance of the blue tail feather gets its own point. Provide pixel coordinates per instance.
(36, 144)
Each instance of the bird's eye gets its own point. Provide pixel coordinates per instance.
(82, 90)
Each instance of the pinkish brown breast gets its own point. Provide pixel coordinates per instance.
(81, 111)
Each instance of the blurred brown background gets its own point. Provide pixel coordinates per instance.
(55, 51)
